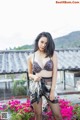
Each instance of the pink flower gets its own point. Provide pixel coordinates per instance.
(66, 108)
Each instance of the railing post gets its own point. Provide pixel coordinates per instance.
(64, 81)
(27, 84)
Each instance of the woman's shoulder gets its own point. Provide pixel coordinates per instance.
(30, 56)
(55, 53)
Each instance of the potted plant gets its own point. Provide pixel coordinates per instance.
(18, 88)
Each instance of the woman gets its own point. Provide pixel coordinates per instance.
(42, 69)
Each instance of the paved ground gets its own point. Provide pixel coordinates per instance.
(71, 93)
(75, 98)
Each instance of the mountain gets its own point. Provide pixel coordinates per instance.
(71, 40)
(24, 47)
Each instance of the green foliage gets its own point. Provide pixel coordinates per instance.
(19, 88)
(16, 116)
(77, 111)
(21, 116)
(24, 47)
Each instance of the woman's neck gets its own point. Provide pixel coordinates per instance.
(41, 53)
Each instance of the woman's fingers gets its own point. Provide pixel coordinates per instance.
(37, 78)
(51, 96)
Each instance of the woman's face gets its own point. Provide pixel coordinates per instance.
(42, 43)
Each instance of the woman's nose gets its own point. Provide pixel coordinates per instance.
(43, 45)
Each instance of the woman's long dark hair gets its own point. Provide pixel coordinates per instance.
(50, 47)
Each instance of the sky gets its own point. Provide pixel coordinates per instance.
(22, 20)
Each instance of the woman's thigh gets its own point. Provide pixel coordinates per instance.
(54, 107)
(37, 107)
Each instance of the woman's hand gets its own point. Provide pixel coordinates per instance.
(37, 78)
(52, 97)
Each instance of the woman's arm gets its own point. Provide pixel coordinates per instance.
(30, 72)
(54, 73)
(29, 65)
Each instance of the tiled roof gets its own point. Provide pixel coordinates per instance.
(16, 61)
(69, 59)
(13, 61)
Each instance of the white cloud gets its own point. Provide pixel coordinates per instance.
(22, 20)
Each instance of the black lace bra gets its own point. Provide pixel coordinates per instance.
(48, 66)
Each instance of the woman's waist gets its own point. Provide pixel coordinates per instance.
(46, 77)
(44, 74)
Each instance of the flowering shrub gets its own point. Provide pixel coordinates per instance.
(24, 111)
(18, 110)
(66, 110)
